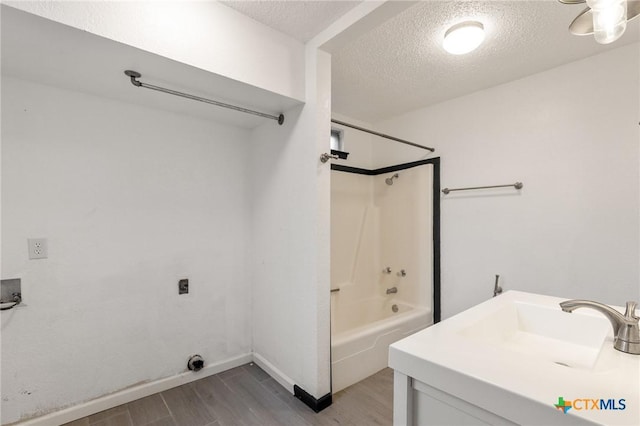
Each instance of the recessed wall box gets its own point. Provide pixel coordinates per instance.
(183, 286)
(9, 288)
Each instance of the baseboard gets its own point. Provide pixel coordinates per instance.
(274, 372)
(316, 405)
(131, 394)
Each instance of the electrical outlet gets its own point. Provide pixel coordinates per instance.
(37, 248)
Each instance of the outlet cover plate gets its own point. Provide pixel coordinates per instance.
(37, 248)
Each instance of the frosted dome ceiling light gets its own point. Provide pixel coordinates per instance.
(463, 37)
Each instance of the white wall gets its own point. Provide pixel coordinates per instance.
(204, 34)
(387, 153)
(371, 152)
(290, 238)
(131, 200)
(571, 136)
(143, 239)
(358, 144)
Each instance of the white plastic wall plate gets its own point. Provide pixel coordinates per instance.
(37, 248)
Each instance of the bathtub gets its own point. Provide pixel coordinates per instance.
(361, 333)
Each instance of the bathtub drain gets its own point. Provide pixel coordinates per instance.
(394, 308)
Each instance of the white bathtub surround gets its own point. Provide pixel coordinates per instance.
(374, 226)
(527, 354)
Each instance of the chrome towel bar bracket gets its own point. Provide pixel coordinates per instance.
(326, 157)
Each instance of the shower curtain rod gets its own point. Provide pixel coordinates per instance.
(135, 75)
(382, 135)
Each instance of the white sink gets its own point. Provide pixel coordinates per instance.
(544, 333)
(521, 348)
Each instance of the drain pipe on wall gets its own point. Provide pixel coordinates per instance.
(195, 363)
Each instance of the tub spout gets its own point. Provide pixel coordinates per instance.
(392, 290)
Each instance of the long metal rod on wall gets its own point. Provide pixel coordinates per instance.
(517, 185)
(382, 135)
(134, 75)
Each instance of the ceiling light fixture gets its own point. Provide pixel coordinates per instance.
(463, 37)
(609, 19)
(605, 19)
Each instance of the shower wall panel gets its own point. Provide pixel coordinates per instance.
(375, 226)
(406, 233)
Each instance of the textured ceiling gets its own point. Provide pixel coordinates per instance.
(401, 66)
(300, 19)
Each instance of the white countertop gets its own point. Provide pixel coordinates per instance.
(520, 387)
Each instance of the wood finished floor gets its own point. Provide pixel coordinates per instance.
(247, 396)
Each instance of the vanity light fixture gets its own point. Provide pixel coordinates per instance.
(463, 37)
(605, 19)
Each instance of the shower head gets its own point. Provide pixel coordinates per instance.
(389, 180)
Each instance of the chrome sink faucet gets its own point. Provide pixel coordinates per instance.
(625, 327)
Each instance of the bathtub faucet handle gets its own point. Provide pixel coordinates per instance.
(402, 273)
(386, 270)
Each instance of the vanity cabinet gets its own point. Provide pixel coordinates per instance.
(420, 404)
